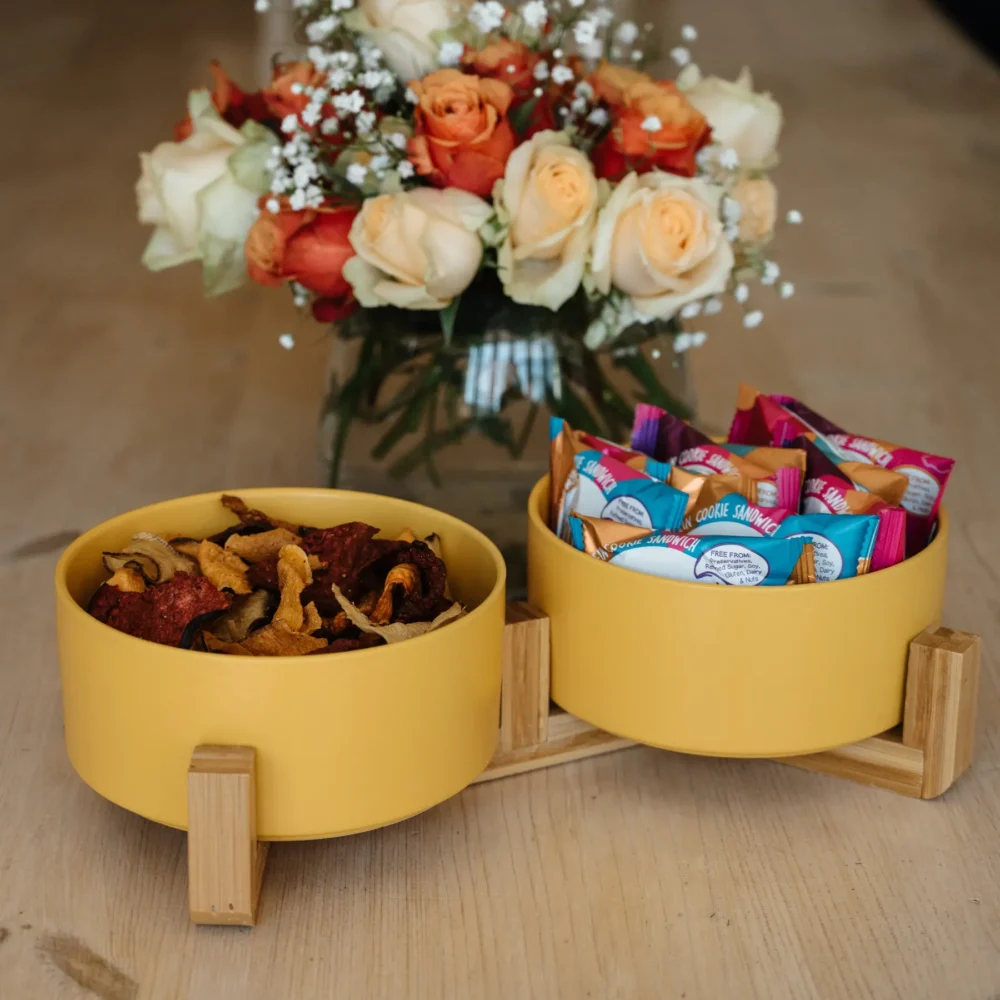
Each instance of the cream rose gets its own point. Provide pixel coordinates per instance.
(758, 201)
(201, 195)
(742, 120)
(659, 240)
(548, 200)
(416, 249)
(402, 31)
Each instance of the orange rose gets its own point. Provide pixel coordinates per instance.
(610, 82)
(653, 127)
(463, 137)
(234, 104)
(511, 62)
(278, 94)
(310, 247)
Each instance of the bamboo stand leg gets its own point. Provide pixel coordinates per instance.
(225, 859)
(934, 746)
(534, 733)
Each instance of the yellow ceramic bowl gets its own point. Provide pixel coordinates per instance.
(345, 742)
(729, 671)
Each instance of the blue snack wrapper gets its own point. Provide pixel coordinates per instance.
(842, 543)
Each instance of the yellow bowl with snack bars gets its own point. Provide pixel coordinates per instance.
(345, 742)
(729, 671)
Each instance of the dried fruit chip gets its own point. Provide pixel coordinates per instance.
(161, 613)
(398, 631)
(276, 639)
(402, 581)
(248, 515)
(342, 549)
(406, 535)
(154, 557)
(225, 569)
(128, 578)
(246, 611)
(294, 575)
(261, 545)
(313, 622)
(264, 575)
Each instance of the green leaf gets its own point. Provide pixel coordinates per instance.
(448, 317)
(520, 118)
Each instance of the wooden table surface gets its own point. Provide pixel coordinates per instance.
(641, 874)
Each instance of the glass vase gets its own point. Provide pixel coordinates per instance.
(460, 422)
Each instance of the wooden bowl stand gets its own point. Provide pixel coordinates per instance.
(921, 758)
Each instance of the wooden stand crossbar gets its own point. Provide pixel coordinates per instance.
(922, 758)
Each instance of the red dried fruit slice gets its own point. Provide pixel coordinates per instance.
(161, 613)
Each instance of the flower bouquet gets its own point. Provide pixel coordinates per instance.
(491, 204)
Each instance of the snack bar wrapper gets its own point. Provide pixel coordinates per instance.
(565, 444)
(828, 491)
(823, 458)
(726, 505)
(601, 486)
(740, 562)
(667, 438)
(842, 546)
(783, 418)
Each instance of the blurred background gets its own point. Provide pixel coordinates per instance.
(121, 387)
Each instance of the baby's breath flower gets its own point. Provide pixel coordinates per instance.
(317, 31)
(786, 289)
(651, 124)
(712, 306)
(262, 6)
(794, 216)
(605, 16)
(680, 55)
(626, 32)
(691, 310)
(598, 117)
(771, 273)
(350, 103)
(365, 122)
(637, 55)
(753, 319)
(534, 13)
(561, 74)
(488, 16)
(741, 293)
(297, 201)
(290, 123)
(538, 92)
(356, 173)
(411, 96)
(585, 31)
(370, 79)
(329, 126)
(273, 205)
(689, 33)
(286, 340)
(729, 159)
(405, 170)
(450, 53)
(732, 211)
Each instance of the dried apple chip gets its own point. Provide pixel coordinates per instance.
(398, 631)
(128, 579)
(403, 580)
(154, 557)
(262, 545)
(276, 639)
(294, 575)
(248, 515)
(225, 569)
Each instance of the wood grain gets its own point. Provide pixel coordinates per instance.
(225, 859)
(524, 699)
(637, 874)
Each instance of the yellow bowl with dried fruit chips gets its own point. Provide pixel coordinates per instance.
(345, 742)
(730, 671)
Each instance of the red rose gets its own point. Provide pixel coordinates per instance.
(235, 105)
(633, 145)
(511, 62)
(310, 247)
